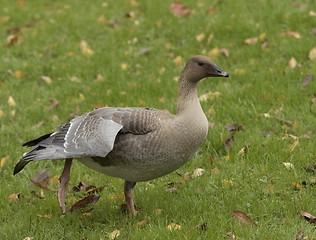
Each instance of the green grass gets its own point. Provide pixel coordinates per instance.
(51, 47)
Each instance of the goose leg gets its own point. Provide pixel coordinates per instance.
(128, 191)
(64, 179)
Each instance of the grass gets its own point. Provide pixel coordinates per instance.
(256, 183)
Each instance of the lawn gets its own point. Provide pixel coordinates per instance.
(59, 59)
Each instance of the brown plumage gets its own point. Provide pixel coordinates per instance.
(135, 144)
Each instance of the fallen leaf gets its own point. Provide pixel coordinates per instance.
(224, 51)
(102, 19)
(231, 235)
(200, 37)
(54, 104)
(264, 44)
(234, 127)
(228, 142)
(312, 54)
(143, 51)
(209, 39)
(286, 122)
(251, 41)
(312, 13)
(288, 165)
(142, 223)
(11, 102)
(96, 190)
(178, 9)
(212, 11)
(36, 195)
(41, 123)
(291, 148)
(197, 172)
(178, 61)
(241, 217)
(85, 48)
(81, 187)
(85, 202)
(28, 238)
(296, 186)
(308, 217)
(307, 79)
(3, 160)
(299, 236)
(170, 190)
(215, 171)
(291, 34)
(213, 53)
(209, 95)
(314, 31)
(12, 39)
(115, 234)
(293, 63)
(43, 186)
(173, 227)
(14, 197)
(201, 226)
(124, 66)
(4, 19)
(1, 113)
(48, 80)
(54, 181)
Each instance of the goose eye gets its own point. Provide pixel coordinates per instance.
(200, 63)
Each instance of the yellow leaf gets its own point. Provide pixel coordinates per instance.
(81, 96)
(11, 102)
(240, 71)
(227, 183)
(209, 95)
(227, 158)
(2, 162)
(1, 113)
(293, 62)
(312, 54)
(178, 61)
(101, 19)
(262, 36)
(85, 49)
(213, 53)
(115, 234)
(173, 227)
(200, 37)
(18, 74)
(45, 215)
(124, 66)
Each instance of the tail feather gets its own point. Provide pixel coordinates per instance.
(36, 141)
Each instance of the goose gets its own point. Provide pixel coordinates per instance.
(131, 143)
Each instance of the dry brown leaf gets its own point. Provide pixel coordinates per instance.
(178, 61)
(291, 34)
(36, 195)
(85, 48)
(43, 186)
(224, 51)
(48, 80)
(14, 197)
(215, 171)
(264, 44)
(96, 190)
(178, 9)
(251, 41)
(201, 226)
(312, 54)
(292, 62)
(170, 190)
(234, 127)
(231, 235)
(141, 224)
(241, 217)
(102, 19)
(299, 236)
(4, 19)
(307, 79)
(212, 11)
(286, 122)
(81, 187)
(308, 217)
(173, 227)
(209, 39)
(314, 31)
(228, 142)
(12, 39)
(45, 215)
(54, 104)
(85, 202)
(41, 123)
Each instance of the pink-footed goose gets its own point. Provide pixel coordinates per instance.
(135, 144)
